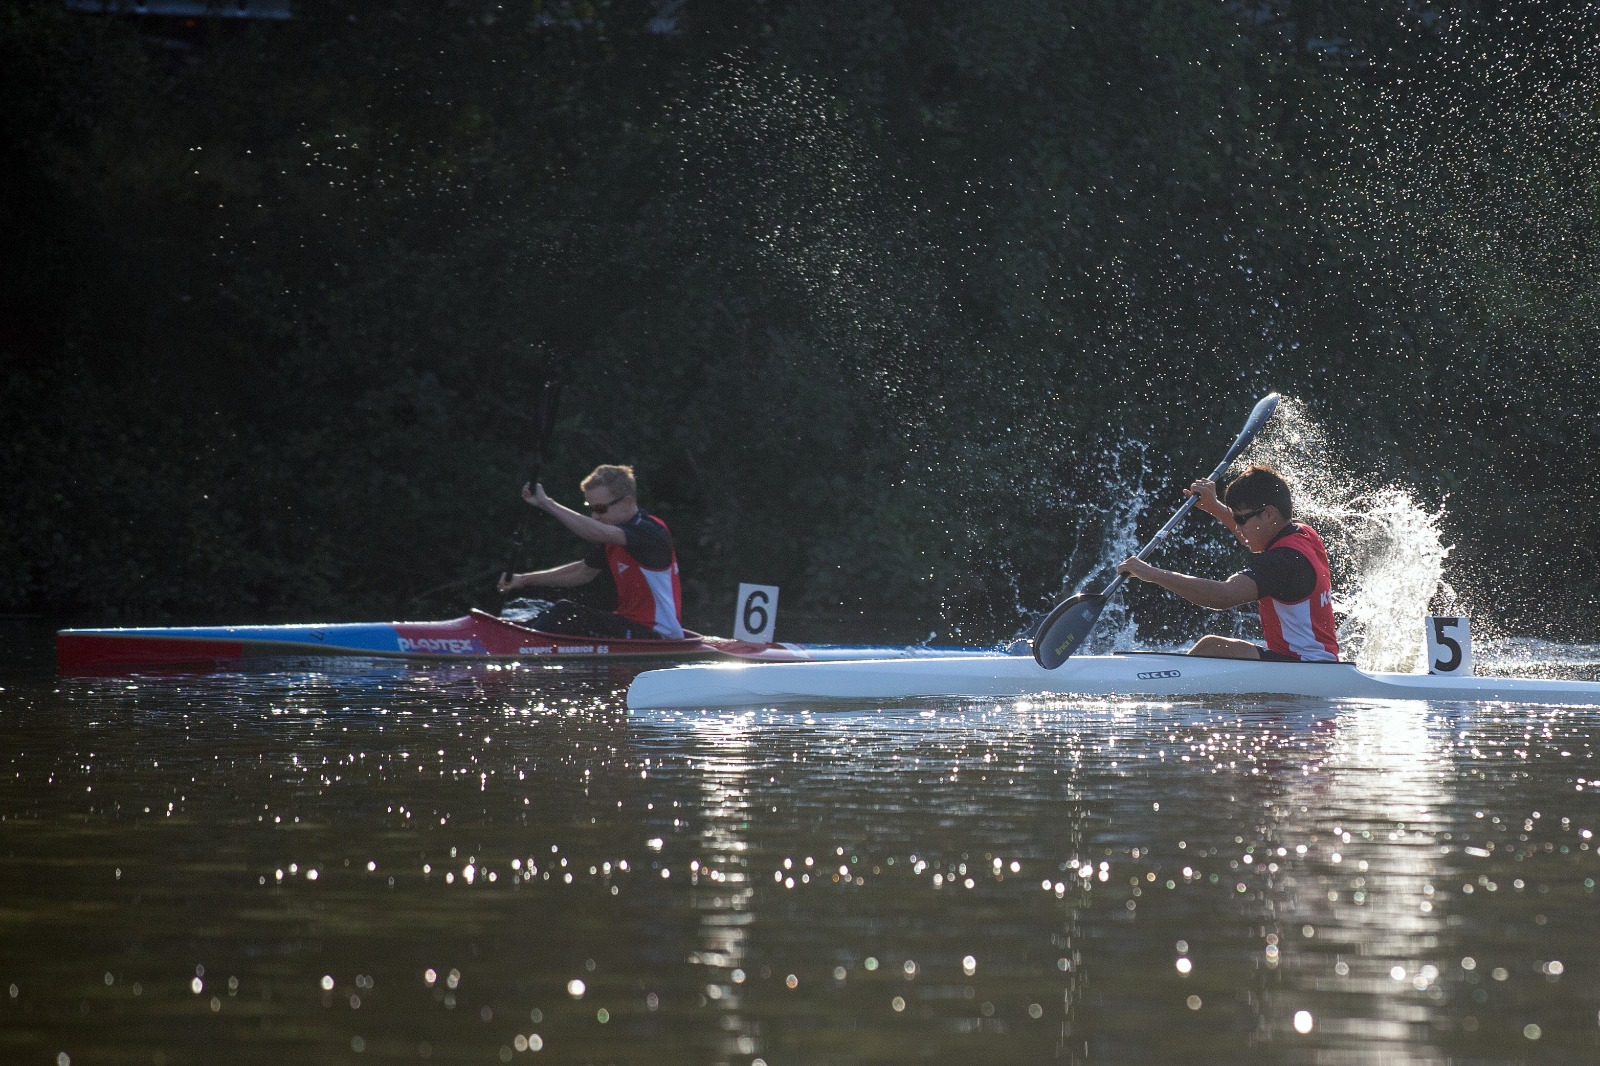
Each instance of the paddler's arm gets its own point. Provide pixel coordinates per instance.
(590, 529)
(1205, 493)
(1237, 591)
(566, 576)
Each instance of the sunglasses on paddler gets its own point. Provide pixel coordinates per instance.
(1240, 519)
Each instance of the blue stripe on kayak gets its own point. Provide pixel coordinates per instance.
(346, 636)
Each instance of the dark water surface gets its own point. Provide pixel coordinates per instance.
(472, 865)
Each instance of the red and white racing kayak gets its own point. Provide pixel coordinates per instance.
(476, 636)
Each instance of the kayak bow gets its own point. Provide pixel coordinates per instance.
(476, 636)
(1156, 674)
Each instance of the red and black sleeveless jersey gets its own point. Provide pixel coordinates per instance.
(1304, 628)
(645, 569)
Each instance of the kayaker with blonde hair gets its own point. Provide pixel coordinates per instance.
(636, 547)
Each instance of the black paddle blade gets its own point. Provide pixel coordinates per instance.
(545, 424)
(1066, 627)
(549, 402)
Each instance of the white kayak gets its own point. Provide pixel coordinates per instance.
(1157, 674)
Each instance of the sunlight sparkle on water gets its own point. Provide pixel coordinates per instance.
(971, 865)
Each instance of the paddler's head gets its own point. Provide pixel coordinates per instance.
(609, 492)
(1261, 504)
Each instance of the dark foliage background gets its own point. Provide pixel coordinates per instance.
(868, 292)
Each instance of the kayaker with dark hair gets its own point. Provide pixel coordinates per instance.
(1287, 577)
(634, 546)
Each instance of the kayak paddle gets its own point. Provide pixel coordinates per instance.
(1071, 620)
(548, 401)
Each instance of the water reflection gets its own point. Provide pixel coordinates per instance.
(1359, 932)
(1105, 881)
(722, 893)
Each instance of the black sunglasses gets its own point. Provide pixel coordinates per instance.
(602, 508)
(1241, 519)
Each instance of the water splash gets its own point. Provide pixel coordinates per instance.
(1104, 535)
(1110, 535)
(524, 611)
(1463, 175)
(773, 165)
(1393, 562)
(1387, 549)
